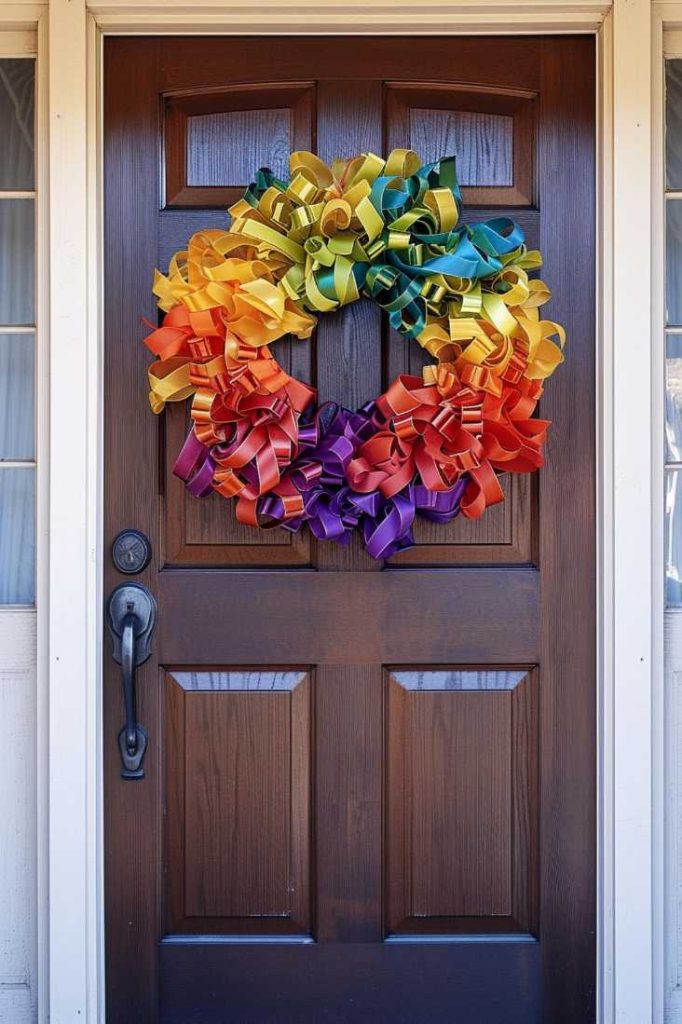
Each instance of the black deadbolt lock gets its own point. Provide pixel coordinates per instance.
(131, 552)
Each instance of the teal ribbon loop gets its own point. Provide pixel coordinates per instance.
(413, 267)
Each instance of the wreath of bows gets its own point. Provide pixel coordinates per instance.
(433, 446)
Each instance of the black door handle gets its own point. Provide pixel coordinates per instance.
(131, 619)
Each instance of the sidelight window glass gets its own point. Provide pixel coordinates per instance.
(17, 401)
(17, 332)
(17, 535)
(17, 111)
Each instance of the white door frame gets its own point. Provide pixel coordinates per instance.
(630, 706)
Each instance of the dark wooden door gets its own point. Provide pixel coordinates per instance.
(369, 790)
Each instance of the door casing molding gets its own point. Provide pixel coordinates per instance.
(629, 712)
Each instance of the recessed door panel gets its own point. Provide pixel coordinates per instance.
(462, 780)
(238, 784)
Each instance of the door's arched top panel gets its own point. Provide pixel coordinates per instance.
(215, 140)
(215, 151)
(483, 143)
(489, 130)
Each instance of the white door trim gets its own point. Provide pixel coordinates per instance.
(628, 684)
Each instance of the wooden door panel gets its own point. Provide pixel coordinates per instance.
(238, 779)
(459, 815)
(209, 133)
(492, 129)
(372, 982)
(206, 531)
(369, 789)
(462, 763)
(495, 127)
(505, 535)
(397, 618)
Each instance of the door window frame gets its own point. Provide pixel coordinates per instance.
(629, 713)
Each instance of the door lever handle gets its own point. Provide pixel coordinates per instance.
(131, 614)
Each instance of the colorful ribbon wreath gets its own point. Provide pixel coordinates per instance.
(387, 229)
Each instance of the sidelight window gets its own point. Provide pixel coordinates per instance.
(17, 332)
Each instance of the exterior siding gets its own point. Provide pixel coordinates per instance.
(18, 846)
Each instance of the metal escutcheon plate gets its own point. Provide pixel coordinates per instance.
(131, 552)
(132, 597)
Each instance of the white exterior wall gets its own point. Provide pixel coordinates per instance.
(18, 818)
(673, 658)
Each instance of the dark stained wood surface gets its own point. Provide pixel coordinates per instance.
(343, 848)
(375, 983)
(133, 819)
(459, 617)
(566, 543)
(348, 813)
(453, 862)
(239, 847)
(290, 106)
(517, 105)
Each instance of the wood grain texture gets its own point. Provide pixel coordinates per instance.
(504, 535)
(458, 762)
(215, 139)
(379, 982)
(509, 63)
(237, 767)
(461, 794)
(567, 896)
(466, 616)
(132, 812)
(490, 129)
(348, 811)
(225, 148)
(482, 143)
(176, 226)
(238, 777)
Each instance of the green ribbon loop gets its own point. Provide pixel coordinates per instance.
(392, 237)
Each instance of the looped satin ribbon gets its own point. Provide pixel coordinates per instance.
(333, 508)
(389, 229)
